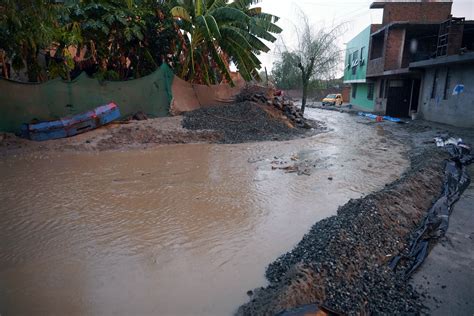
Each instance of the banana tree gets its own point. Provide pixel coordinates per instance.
(216, 32)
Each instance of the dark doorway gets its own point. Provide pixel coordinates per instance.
(415, 95)
(398, 98)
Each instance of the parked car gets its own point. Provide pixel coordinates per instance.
(333, 99)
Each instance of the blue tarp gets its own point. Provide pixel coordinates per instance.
(73, 125)
(373, 116)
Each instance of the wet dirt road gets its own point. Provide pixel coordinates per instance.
(173, 230)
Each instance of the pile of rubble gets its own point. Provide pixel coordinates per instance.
(274, 98)
(342, 263)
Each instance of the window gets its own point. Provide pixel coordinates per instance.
(354, 61)
(382, 88)
(370, 91)
(362, 53)
(447, 83)
(435, 83)
(355, 54)
(354, 90)
(349, 61)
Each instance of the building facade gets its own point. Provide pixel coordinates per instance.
(408, 33)
(355, 70)
(447, 91)
(419, 60)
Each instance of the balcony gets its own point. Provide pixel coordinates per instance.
(375, 67)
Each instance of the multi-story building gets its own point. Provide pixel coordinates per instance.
(420, 59)
(447, 88)
(355, 69)
(408, 33)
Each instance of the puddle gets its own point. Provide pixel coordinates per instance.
(173, 230)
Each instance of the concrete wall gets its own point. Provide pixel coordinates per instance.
(457, 110)
(380, 99)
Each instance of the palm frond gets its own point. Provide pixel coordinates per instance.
(180, 12)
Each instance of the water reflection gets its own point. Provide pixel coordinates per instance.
(174, 230)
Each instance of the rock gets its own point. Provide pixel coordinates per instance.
(139, 116)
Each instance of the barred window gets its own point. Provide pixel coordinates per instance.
(370, 91)
(447, 83)
(435, 84)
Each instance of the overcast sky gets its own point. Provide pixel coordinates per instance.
(324, 13)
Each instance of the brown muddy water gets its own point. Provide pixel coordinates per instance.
(173, 230)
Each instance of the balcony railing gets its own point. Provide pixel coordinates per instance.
(375, 66)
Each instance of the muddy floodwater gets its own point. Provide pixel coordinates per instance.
(177, 229)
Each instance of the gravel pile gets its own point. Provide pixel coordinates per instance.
(342, 262)
(242, 122)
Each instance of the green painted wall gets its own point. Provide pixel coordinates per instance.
(361, 101)
(22, 102)
(355, 69)
(359, 43)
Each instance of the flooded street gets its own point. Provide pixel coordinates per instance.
(177, 229)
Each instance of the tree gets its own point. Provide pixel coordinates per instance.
(26, 28)
(113, 33)
(317, 54)
(217, 32)
(125, 39)
(286, 72)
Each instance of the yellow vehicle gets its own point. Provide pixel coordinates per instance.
(333, 99)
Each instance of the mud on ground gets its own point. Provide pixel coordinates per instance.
(237, 123)
(342, 262)
(117, 135)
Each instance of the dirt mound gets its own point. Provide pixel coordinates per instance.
(342, 263)
(143, 135)
(245, 121)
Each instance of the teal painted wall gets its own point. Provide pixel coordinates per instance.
(358, 46)
(361, 101)
(359, 43)
(22, 102)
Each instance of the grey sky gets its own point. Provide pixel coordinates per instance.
(355, 13)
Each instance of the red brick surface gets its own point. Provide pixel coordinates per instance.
(416, 12)
(393, 48)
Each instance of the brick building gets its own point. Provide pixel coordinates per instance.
(408, 33)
